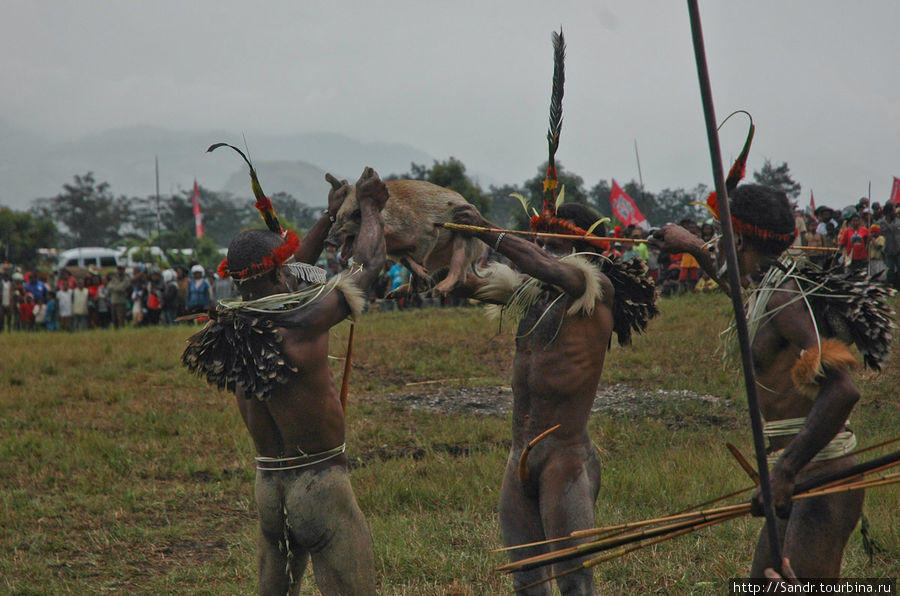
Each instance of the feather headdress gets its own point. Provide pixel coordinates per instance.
(263, 204)
(735, 175)
(546, 220)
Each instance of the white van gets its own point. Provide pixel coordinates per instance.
(88, 256)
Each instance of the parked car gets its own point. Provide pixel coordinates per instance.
(79, 259)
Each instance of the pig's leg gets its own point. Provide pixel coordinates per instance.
(458, 262)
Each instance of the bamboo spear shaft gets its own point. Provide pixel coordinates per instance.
(468, 228)
(474, 229)
(858, 485)
(734, 281)
(593, 532)
(879, 463)
(668, 531)
(622, 551)
(853, 454)
(586, 548)
(596, 546)
(813, 484)
(804, 490)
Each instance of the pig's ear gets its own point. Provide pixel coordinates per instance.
(335, 183)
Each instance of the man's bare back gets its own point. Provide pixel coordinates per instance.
(307, 509)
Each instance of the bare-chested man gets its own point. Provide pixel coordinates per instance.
(805, 389)
(288, 398)
(566, 307)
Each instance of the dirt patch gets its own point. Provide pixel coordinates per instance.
(677, 407)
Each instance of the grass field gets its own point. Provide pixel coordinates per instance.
(121, 473)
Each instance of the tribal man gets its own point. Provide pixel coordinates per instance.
(270, 347)
(800, 336)
(567, 305)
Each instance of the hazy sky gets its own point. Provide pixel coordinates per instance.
(472, 80)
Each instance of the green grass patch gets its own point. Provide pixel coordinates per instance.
(122, 473)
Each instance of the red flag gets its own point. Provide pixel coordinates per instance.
(895, 191)
(624, 208)
(198, 215)
(812, 201)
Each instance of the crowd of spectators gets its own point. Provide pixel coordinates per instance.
(859, 238)
(82, 300)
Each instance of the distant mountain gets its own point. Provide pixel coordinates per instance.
(304, 181)
(32, 166)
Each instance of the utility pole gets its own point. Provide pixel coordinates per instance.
(640, 177)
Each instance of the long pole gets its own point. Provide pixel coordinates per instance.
(734, 281)
(637, 158)
(640, 176)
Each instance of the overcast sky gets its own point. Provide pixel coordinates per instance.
(472, 80)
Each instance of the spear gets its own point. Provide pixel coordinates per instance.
(677, 525)
(648, 536)
(620, 552)
(467, 228)
(734, 281)
(814, 484)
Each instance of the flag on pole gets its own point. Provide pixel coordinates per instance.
(895, 191)
(624, 208)
(198, 215)
(812, 202)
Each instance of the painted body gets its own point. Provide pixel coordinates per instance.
(312, 510)
(812, 532)
(557, 366)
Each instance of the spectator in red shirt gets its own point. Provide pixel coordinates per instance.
(26, 312)
(854, 240)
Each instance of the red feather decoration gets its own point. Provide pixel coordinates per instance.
(269, 262)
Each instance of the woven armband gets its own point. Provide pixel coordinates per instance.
(812, 365)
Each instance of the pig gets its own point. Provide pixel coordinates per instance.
(411, 235)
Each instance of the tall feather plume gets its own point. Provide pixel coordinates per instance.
(737, 171)
(263, 203)
(736, 174)
(556, 97)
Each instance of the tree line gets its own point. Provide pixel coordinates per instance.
(88, 213)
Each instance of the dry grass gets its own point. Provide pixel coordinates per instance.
(119, 472)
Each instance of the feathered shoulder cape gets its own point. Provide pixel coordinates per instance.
(634, 303)
(240, 345)
(846, 306)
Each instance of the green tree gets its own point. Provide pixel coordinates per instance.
(505, 209)
(87, 212)
(674, 205)
(206, 252)
(778, 177)
(598, 198)
(223, 216)
(293, 213)
(450, 174)
(21, 234)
